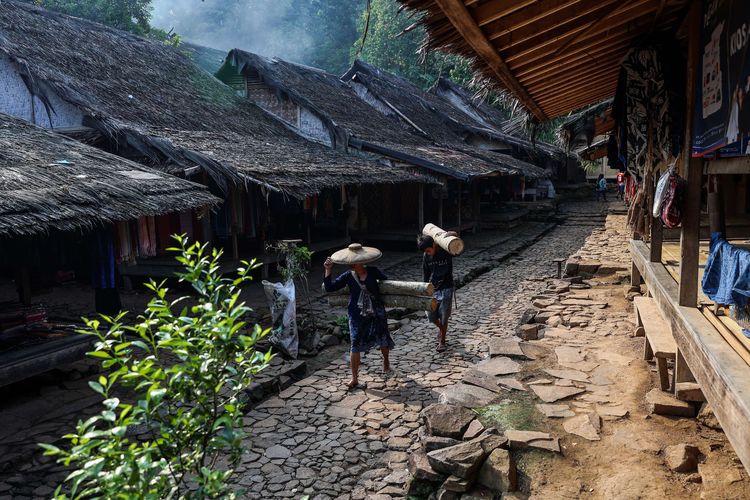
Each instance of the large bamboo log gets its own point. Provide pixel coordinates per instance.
(392, 287)
(450, 243)
(405, 301)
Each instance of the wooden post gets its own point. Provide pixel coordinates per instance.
(460, 189)
(420, 219)
(635, 275)
(440, 206)
(657, 229)
(476, 204)
(716, 221)
(690, 234)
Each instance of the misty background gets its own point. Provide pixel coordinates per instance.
(315, 32)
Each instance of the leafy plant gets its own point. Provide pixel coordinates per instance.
(186, 370)
(343, 323)
(296, 265)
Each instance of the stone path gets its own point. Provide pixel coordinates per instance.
(317, 439)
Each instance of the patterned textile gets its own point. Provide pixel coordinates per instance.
(646, 103)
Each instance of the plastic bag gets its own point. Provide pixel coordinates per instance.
(661, 192)
(283, 305)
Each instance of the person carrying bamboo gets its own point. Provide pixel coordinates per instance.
(368, 325)
(437, 268)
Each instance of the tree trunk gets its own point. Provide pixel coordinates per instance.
(405, 301)
(390, 287)
(451, 244)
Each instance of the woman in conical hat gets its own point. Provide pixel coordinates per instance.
(368, 326)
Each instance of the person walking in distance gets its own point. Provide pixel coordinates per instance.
(601, 188)
(621, 186)
(437, 267)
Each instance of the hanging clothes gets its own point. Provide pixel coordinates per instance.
(103, 259)
(186, 224)
(649, 96)
(146, 237)
(726, 278)
(125, 252)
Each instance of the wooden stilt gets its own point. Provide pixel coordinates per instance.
(693, 170)
(420, 220)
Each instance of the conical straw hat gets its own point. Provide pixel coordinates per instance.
(356, 254)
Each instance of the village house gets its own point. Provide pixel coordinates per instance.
(322, 108)
(61, 202)
(679, 110)
(150, 103)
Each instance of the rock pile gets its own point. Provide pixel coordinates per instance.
(459, 458)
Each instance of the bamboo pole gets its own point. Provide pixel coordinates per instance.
(391, 287)
(451, 244)
(405, 301)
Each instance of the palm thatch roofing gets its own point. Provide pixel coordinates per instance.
(149, 96)
(208, 58)
(48, 182)
(436, 116)
(580, 128)
(553, 56)
(352, 122)
(513, 130)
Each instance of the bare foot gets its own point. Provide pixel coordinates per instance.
(440, 347)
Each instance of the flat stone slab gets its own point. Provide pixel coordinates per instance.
(478, 378)
(463, 460)
(555, 411)
(466, 395)
(663, 403)
(576, 375)
(444, 420)
(552, 393)
(506, 347)
(614, 357)
(567, 354)
(499, 366)
(532, 439)
(586, 425)
(611, 411)
(511, 383)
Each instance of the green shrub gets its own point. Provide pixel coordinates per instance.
(186, 368)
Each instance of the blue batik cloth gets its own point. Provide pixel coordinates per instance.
(726, 278)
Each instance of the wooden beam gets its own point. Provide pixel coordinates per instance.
(721, 373)
(578, 102)
(491, 11)
(618, 26)
(657, 229)
(576, 81)
(594, 24)
(573, 101)
(693, 172)
(459, 16)
(582, 57)
(510, 32)
(738, 165)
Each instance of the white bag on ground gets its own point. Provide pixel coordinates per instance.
(661, 193)
(283, 305)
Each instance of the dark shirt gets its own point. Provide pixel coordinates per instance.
(347, 279)
(438, 269)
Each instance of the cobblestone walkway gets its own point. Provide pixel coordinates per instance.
(317, 439)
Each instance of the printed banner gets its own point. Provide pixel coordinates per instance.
(722, 111)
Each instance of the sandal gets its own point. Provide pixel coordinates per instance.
(440, 347)
(354, 387)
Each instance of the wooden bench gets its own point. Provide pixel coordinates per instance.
(658, 342)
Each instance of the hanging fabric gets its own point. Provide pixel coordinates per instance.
(124, 252)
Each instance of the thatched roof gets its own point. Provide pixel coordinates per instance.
(354, 122)
(554, 57)
(580, 128)
(133, 89)
(512, 130)
(208, 58)
(437, 116)
(48, 181)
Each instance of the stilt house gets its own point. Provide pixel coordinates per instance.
(678, 72)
